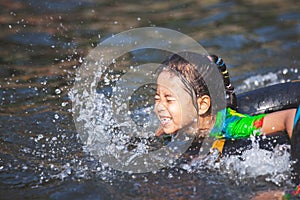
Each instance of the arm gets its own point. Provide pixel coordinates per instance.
(237, 125)
(279, 121)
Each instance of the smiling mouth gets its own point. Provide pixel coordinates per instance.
(165, 120)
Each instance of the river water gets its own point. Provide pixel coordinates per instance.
(44, 42)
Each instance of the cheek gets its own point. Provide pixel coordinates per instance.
(189, 113)
(155, 109)
(176, 112)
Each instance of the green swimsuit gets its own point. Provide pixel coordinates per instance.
(237, 125)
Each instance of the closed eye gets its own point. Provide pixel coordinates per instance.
(170, 98)
(156, 97)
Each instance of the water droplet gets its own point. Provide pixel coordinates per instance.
(56, 116)
(57, 91)
(170, 175)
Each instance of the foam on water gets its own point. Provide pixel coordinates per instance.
(273, 165)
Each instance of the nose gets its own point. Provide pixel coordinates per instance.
(159, 107)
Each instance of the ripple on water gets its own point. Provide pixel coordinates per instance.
(41, 156)
(57, 5)
(232, 41)
(33, 38)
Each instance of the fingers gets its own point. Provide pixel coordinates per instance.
(159, 131)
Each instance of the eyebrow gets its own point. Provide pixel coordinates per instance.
(166, 95)
(169, 95)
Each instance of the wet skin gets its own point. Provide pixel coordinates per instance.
(173, 105)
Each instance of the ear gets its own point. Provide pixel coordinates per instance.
(203, 104)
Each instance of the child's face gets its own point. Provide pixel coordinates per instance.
(173, 105)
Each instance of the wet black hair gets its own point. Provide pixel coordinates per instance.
(188, 73)
(182, 64)
(229, 89)
(200, 76)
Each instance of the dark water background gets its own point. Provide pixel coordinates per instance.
(43, 42)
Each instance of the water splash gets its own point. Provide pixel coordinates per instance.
(270, 78)
(274, 166)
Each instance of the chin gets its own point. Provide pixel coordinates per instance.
(170, 131)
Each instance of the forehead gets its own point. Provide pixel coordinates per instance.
(169, 81)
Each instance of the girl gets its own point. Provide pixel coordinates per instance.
(183, 102)
(177, 108)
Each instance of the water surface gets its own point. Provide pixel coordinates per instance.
(43, 43)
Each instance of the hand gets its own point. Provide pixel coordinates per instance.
(159, 131)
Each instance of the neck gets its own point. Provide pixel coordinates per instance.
(205, 124)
